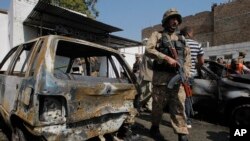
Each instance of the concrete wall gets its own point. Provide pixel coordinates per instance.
(4, 37)
(130, 54)
(18, 12)
(229, 49)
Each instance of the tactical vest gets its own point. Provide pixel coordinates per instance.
(165, 45)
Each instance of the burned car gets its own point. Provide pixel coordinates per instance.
(221, 90)
(61, 88)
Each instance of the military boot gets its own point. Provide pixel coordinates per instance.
(182, 137)
(155, 133)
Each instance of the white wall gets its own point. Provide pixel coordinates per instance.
(218, 51)
(4, 38)
(234, 49)
(18, 12)
(130, 53)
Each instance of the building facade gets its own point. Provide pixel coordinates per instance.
(226, 24)
(4, 36)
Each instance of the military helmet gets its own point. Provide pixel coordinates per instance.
(171, 13)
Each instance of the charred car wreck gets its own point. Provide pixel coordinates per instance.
(61, 88)
(224, 92)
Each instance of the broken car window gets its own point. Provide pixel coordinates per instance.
(75, 60)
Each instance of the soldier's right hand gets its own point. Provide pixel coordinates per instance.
(172, 62)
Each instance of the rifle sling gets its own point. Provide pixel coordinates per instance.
(172, 48)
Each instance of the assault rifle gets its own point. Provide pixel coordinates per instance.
(180, 78)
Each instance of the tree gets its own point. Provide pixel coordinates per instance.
(92, 6)
(83, 6)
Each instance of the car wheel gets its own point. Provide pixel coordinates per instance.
(18, 135)
(3, 136)
(241, 115)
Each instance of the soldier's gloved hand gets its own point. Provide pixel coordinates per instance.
(172, 62)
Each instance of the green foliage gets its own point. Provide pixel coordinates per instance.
(92, 7)
(83, 6)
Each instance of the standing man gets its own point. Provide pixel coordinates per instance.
(241, 60)
(136, 65)
(197, 61)
(160, 47)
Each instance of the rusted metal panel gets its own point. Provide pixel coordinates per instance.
(81, 132)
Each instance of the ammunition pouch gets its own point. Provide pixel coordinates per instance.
(165, 48)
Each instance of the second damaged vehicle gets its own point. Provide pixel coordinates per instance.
(60, 88)
(222, 94)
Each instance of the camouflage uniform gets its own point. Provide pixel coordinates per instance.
(145, 79)
(175, 98)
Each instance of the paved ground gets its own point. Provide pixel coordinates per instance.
(201, 130)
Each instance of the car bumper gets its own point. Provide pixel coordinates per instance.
(80, 131)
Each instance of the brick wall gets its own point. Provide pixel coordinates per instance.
(226, 23)
(202, 25)
(231, 22)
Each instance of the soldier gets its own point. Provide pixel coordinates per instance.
(160, 47)
(136, 65)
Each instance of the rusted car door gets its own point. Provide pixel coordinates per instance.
(5, 64)
(13, 76)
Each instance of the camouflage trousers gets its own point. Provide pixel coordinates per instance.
(175, 100)
(146, 98)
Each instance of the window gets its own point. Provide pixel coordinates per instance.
(61, 63)
(204, 44)
(213, 58)
(75, 60)
(228, 56)
(21, 61)
(6, 61)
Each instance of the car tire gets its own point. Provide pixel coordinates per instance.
(3, 136)
(18, 135)
(240, 115)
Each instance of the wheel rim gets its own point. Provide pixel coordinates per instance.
(18, 135)
(241, 115)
